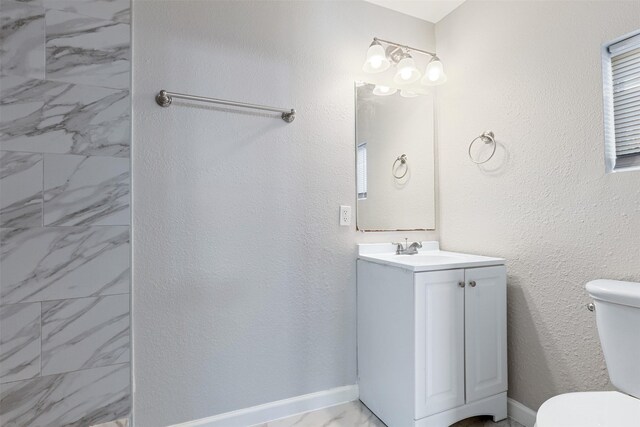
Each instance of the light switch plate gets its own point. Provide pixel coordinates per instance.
(345, 215)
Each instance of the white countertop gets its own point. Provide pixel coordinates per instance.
(429, 258)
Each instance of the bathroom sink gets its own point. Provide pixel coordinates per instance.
(429, 258)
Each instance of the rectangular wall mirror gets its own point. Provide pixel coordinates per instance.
(395, 165)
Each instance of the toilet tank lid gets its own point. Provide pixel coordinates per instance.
(615, 291)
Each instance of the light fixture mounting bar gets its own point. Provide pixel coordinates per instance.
(402, 46)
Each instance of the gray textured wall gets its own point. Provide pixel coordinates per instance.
(64, 212)
(530, 71)
(244, 282)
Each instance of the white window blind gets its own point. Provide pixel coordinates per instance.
(622, 102)
(361, 170)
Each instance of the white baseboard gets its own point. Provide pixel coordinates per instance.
(313, 401)
(279, 409)
(520, 413)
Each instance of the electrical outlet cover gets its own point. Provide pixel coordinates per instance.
(345, 215)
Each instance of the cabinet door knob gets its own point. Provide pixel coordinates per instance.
(472, 283)
(461, 284)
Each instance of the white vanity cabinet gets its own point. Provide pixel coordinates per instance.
(432, 342)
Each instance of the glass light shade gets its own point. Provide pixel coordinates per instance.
(381, 90)
(376, 61)
(407, 71)
(408, 93)
(434, 74)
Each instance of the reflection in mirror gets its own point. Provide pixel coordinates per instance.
(394, 159)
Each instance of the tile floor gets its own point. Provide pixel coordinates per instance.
(355, 414)
(118, 423)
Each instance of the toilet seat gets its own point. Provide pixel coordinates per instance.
(590, 409)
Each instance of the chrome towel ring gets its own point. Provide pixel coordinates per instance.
(488, 138)
(403, 161)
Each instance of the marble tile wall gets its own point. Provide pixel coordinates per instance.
(65, 212)
(54, 117)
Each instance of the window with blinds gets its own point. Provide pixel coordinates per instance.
(361, 171)
(621, 76)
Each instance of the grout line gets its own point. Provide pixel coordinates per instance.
(66, 299)
(68, 154)
(40, 373)
(64, 226)
(68, 372)
(42, 192)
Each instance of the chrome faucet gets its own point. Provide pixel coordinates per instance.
(407, 249)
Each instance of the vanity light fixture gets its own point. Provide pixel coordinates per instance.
(382, 90)
(435, 73)
(380, 59)
(406, 70)
(376, 61)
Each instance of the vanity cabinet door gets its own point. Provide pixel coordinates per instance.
(439, 341)
(486, 332)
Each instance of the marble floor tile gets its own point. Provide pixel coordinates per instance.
(84, 50)
(76, 399)
(117, 423)
(84, 333)
(355, 414)
(19, 342)
(20, 189)
(51, 263)
(110, 10)
(352, 414)
(82, 190)
(53, 117)
(22, 38)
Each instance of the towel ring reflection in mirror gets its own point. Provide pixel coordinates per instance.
(403, 161)
(488, 138)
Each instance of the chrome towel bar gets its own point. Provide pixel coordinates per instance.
(164, 99)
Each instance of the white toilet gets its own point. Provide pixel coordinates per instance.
(617, 307)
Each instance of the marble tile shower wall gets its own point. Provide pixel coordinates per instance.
(64, 212)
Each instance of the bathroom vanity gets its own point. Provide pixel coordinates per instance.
(432, 338)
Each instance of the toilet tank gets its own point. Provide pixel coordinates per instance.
(618, 318)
